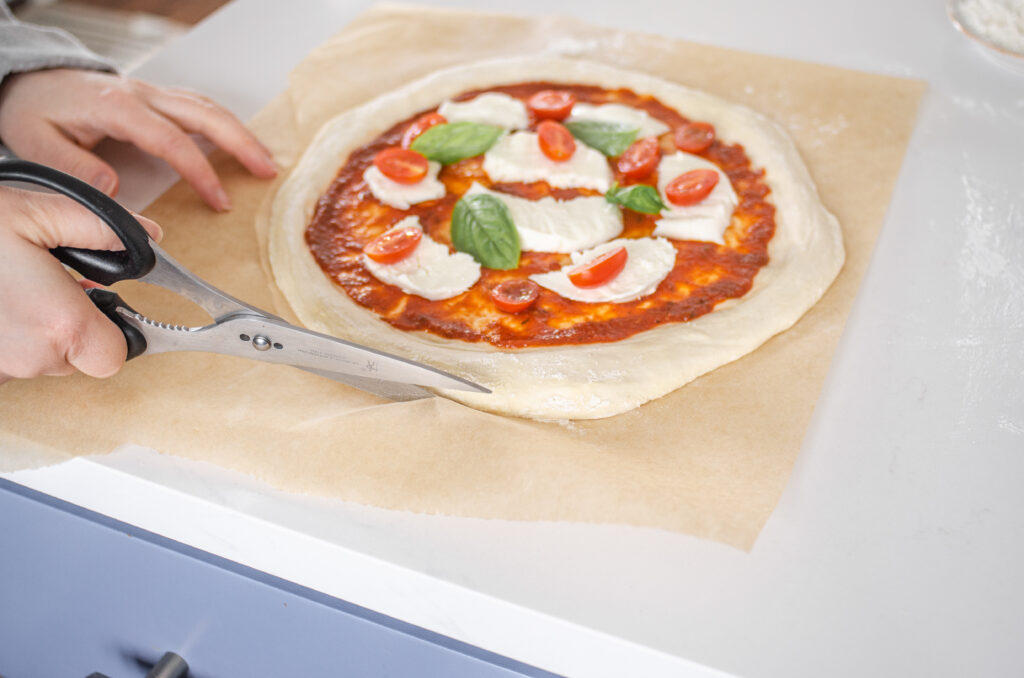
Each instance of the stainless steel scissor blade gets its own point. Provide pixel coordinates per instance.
(270, 339)
(238, 328)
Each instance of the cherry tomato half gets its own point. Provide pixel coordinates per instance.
(600, 270)
(393, 246)
(421, 125)
(689, 188)
(640, 158)
(551, 104)
(402, 165)
(556, 142)
(694, 137)
(515, 295)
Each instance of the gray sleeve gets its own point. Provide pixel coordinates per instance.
(25, 47)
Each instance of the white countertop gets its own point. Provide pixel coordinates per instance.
(898, 545)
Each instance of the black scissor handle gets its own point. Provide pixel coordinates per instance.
(102, 266)
(108, 302)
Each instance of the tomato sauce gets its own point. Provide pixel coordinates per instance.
(347, 217)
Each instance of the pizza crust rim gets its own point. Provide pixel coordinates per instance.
(580, 381)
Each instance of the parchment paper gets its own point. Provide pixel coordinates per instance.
(710, 459)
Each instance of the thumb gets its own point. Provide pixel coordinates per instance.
(53, 220)
(90, 342)
(47, 324)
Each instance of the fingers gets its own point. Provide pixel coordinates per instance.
(159, 124)
(199, 115)
(157, 135)
(42, 142)
(53, 116)
(153, 228)
(47, 324)
(48, 221)
(91, 342)
(161, 128)
(79, 336)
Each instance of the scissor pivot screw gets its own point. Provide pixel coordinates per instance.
(260, 343)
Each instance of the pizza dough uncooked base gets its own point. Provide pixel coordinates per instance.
(570, 382)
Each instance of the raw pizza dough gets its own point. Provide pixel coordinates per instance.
(582, 381)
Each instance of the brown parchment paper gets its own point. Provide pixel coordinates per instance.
(710, 459)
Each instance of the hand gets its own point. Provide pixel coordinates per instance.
(47, 325)
(54, 117)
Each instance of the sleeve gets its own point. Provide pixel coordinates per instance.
(24, 47)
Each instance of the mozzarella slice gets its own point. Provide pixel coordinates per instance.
(517, 157)
(401, 196)
(626, 115)
(708, 219)
(491, 108)
(550, 225)
(650, 260)
(431, 271)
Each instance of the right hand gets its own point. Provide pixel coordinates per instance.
(48, 326)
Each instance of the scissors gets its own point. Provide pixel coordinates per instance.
(237, 329)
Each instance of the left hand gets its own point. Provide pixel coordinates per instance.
(55, 117)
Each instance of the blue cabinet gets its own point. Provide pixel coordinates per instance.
(83, 593)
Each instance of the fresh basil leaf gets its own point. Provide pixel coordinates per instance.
(638, 197)
(611, 138)
(453, 141)
(482, 227)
